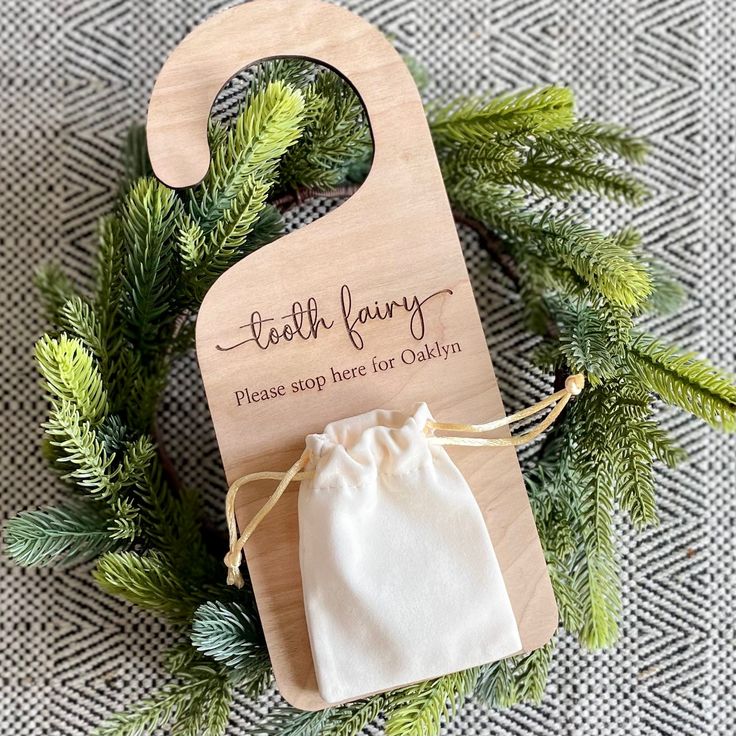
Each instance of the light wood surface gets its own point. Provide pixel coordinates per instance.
(394, 238)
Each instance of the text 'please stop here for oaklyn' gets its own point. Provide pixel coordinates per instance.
(305, 322)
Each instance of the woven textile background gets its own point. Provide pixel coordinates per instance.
(76, 73)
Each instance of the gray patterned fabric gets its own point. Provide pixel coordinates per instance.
(76, 73)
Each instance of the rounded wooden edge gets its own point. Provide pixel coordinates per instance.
(206, 59)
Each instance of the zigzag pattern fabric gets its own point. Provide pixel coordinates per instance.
(78, 72)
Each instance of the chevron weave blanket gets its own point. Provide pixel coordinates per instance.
(76, 73)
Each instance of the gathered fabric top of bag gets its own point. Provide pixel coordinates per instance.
(378, 442)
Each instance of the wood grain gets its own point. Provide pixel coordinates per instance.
(394, 238)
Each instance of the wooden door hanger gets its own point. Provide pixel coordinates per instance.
(394, 242)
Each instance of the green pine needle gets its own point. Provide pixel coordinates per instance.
(270, 123)
(72, 376)
(515, 680)
(288, 721)
(590, 340)
(150, 212)
(237, 222)
(147, 581)
(596, 260)
(63, 534)
(557, 176)
(198, 704)
(336, 135)
(419, 710)
(54, 288)
(79, 318)
(684, 380)
(472, 120)
(351, 719)
(596, 581)
(233, 637)
(590, 139)
(108, 271)
(228, 214)
(496, 685)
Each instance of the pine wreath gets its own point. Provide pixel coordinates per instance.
(513, 167)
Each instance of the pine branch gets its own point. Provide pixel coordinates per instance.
(234, 226)
(590, 139)
(198, 704)
(79, 445)
(233, 637)
(291, 722)
(593, 481)
(554, 508)
(335, 135)
(147, 581)
(599, 261)
(143, 377)
(561, 177)
(150, 212)
(108, 272)
(80, 319)
(637, 441)
(125, 521)
(419, 710)
(590, 340)
(531, 673)
(515, 680)
(595, 574)
(496, 685)
(496, 160)
(228, 214)
(94, 468)
(351, 719)
(475, 121)
(573, 492)
(268, 125)
(343, 720)
(684, 380)
(146, 716)
(172, 522)
(250, 223)
(55, 289)
(63, 534)
(72, 376)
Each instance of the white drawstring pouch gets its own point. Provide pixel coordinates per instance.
(401, 582)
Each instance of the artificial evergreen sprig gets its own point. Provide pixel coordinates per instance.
(473, 120)
(516, 679)
(512, 165)
(421, 709)
(229, 634)
(70, 532)
(684, 380)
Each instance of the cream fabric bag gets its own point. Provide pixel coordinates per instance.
(400, 579)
